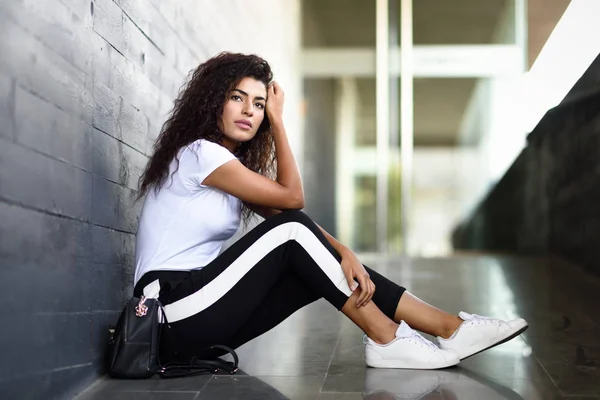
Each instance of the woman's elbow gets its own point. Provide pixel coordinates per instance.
(301, 203)
(297, 202)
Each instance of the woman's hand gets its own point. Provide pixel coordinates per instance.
(275, 98)
(353, 268)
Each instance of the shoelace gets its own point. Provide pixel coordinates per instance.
(420, 339)
(413, 335)
(480, 319)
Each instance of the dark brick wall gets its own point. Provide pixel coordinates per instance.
(547, 203)
(73, 140)
(85, 86)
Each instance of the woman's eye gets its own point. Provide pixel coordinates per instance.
(260, 105)
(235, 97)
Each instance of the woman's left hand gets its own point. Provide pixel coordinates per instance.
(353, 268)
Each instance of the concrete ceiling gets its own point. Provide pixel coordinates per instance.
(351, 23)
(439, 103)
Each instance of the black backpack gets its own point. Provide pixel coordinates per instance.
(133, 347)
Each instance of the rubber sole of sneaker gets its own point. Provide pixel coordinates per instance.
(497, 343)
(396, 364)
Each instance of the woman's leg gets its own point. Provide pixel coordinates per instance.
(291, 294)
(426, 318)
(403, 348)
(276, 307)
(212, 304)
(284, 299)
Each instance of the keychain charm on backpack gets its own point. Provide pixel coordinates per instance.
(141, 309)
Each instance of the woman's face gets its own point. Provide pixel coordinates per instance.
(243, 112)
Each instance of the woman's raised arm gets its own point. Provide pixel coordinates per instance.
(284, 193)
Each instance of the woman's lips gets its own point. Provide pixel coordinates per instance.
(243, 125)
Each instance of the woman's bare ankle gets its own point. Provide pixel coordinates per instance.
(383, 336)
(451, 326)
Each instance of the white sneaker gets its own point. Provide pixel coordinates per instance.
(478, 333)
(408, 350)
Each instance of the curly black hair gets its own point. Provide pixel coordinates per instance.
(197, 112)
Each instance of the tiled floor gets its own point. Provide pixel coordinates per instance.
(317, 353)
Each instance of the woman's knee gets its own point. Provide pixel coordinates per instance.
(295, 216)
(291, 216)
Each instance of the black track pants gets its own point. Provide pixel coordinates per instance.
(278, 267)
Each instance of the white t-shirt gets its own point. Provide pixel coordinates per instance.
(184, 226)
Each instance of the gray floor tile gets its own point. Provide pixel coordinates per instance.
(504, 362)
(582, 398)
(290, 347)
(574, 368)
(455, 384)
(273, 367)
(188, 384)
(345, 378)
(350, 349)
(144, 396)
(344, 383)
(405, 383)
(296, 388)
(234, 388)
(341, 396)
(469, 386)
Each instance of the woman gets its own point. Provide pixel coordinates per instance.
(212, 166)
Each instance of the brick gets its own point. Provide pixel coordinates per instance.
(44, 127)
(121, 32)
(108, 23)
(39, 239)
(54, 250)
(106, 110)
(45, 332)
(44, 183)
(101, 321)
(132, 127)
(112, 247)
(119, 119)
(117, 277)
(168, 45)
(123, 78)
(114, 206)
(58, 27)
(82, 8)
(151, 137)
(162, 73)
(41, 71)
(116, 161)
(7, 99)
(140, 13)
(107, 159)
(118, 29)
(149, 147)
(181, 46)
(64, 383)
(47, 289)
(134, 164)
